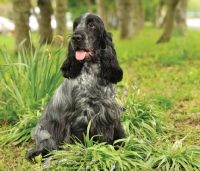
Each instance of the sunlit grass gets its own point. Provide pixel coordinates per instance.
(160, 89)
(27, 84)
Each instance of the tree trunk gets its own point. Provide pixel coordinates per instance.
(125, 18)
(61, 29)
(158, 20)
(89, 6)
(139, 11)
(45, 30)
(169, 24)
(181, 17)
(101, 11)
(21, 9)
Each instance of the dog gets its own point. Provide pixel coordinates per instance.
(87, 94)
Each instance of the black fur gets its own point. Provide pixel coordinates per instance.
(87, 94)
(103, 48)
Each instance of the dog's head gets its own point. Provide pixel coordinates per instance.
(88, 31)
(91, 42)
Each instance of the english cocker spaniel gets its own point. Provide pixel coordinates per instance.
(87, 94)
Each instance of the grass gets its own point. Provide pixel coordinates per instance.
(160, 89)
(27, 88)
(167, 76)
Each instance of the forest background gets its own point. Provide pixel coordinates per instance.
(157, 44)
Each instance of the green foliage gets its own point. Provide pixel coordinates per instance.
(160, 85)
(27, 83)
(163, 102)
(177, 157)
(81, 6)
(99, 156)
(21, 131)
(142, 118)
(94, 156)
(193, 5)
(170, 59)
(149, 8)
(13, 158)
(136, 154)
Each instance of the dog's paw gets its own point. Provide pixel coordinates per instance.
(32, 154)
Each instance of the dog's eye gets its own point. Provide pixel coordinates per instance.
(91, 25)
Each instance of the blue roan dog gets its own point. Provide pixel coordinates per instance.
(87, 94)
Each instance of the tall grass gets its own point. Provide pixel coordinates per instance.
(95, 156)
(141, 118)
(136, 154)
(168, 78)
(27, 84)
(176, 157)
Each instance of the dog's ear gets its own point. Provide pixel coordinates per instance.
(110, 69)
(71, 67)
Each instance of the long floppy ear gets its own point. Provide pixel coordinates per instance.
(110, 69)
(71, 68)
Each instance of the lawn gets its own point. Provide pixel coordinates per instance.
(160, 89)
(166, 75)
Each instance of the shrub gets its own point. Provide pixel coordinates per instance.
(27, 83)
(136, 154)
(176, 157)
(96, 156)
(142, 118)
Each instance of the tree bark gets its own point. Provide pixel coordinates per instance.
(139, 12)
(125, 18)
(169, 24)
(181, 17)
(158, 10)
(61, 20)
(45, 30)
(89, 6)
(101, 11)
(21, 9)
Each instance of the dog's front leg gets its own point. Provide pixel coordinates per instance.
(44, 142)
(67, 138)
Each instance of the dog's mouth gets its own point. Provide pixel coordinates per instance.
(82, 54)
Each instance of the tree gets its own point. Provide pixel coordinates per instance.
(158, 16)
(181, 17)
(45, 30)
(21, 9)
(61, 9)
(101, 11)
(125, 18)
(89, 6)
(139, 13)
(169, 21)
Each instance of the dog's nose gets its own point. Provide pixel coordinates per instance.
(76, 37)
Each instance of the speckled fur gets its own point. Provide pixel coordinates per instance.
(87, 94)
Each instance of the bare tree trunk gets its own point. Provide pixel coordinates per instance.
(45, 30)
(111, 18)
(181, 17)
(61, 29)
(169, 24)
(163, 22)
(139, 11)
(21, 10)
(125, 18)
(89, 6)
(101, 11)
(158, 10)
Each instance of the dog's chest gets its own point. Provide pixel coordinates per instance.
(89, 81)
(89, 74)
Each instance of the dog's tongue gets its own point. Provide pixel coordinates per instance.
(81, 54)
